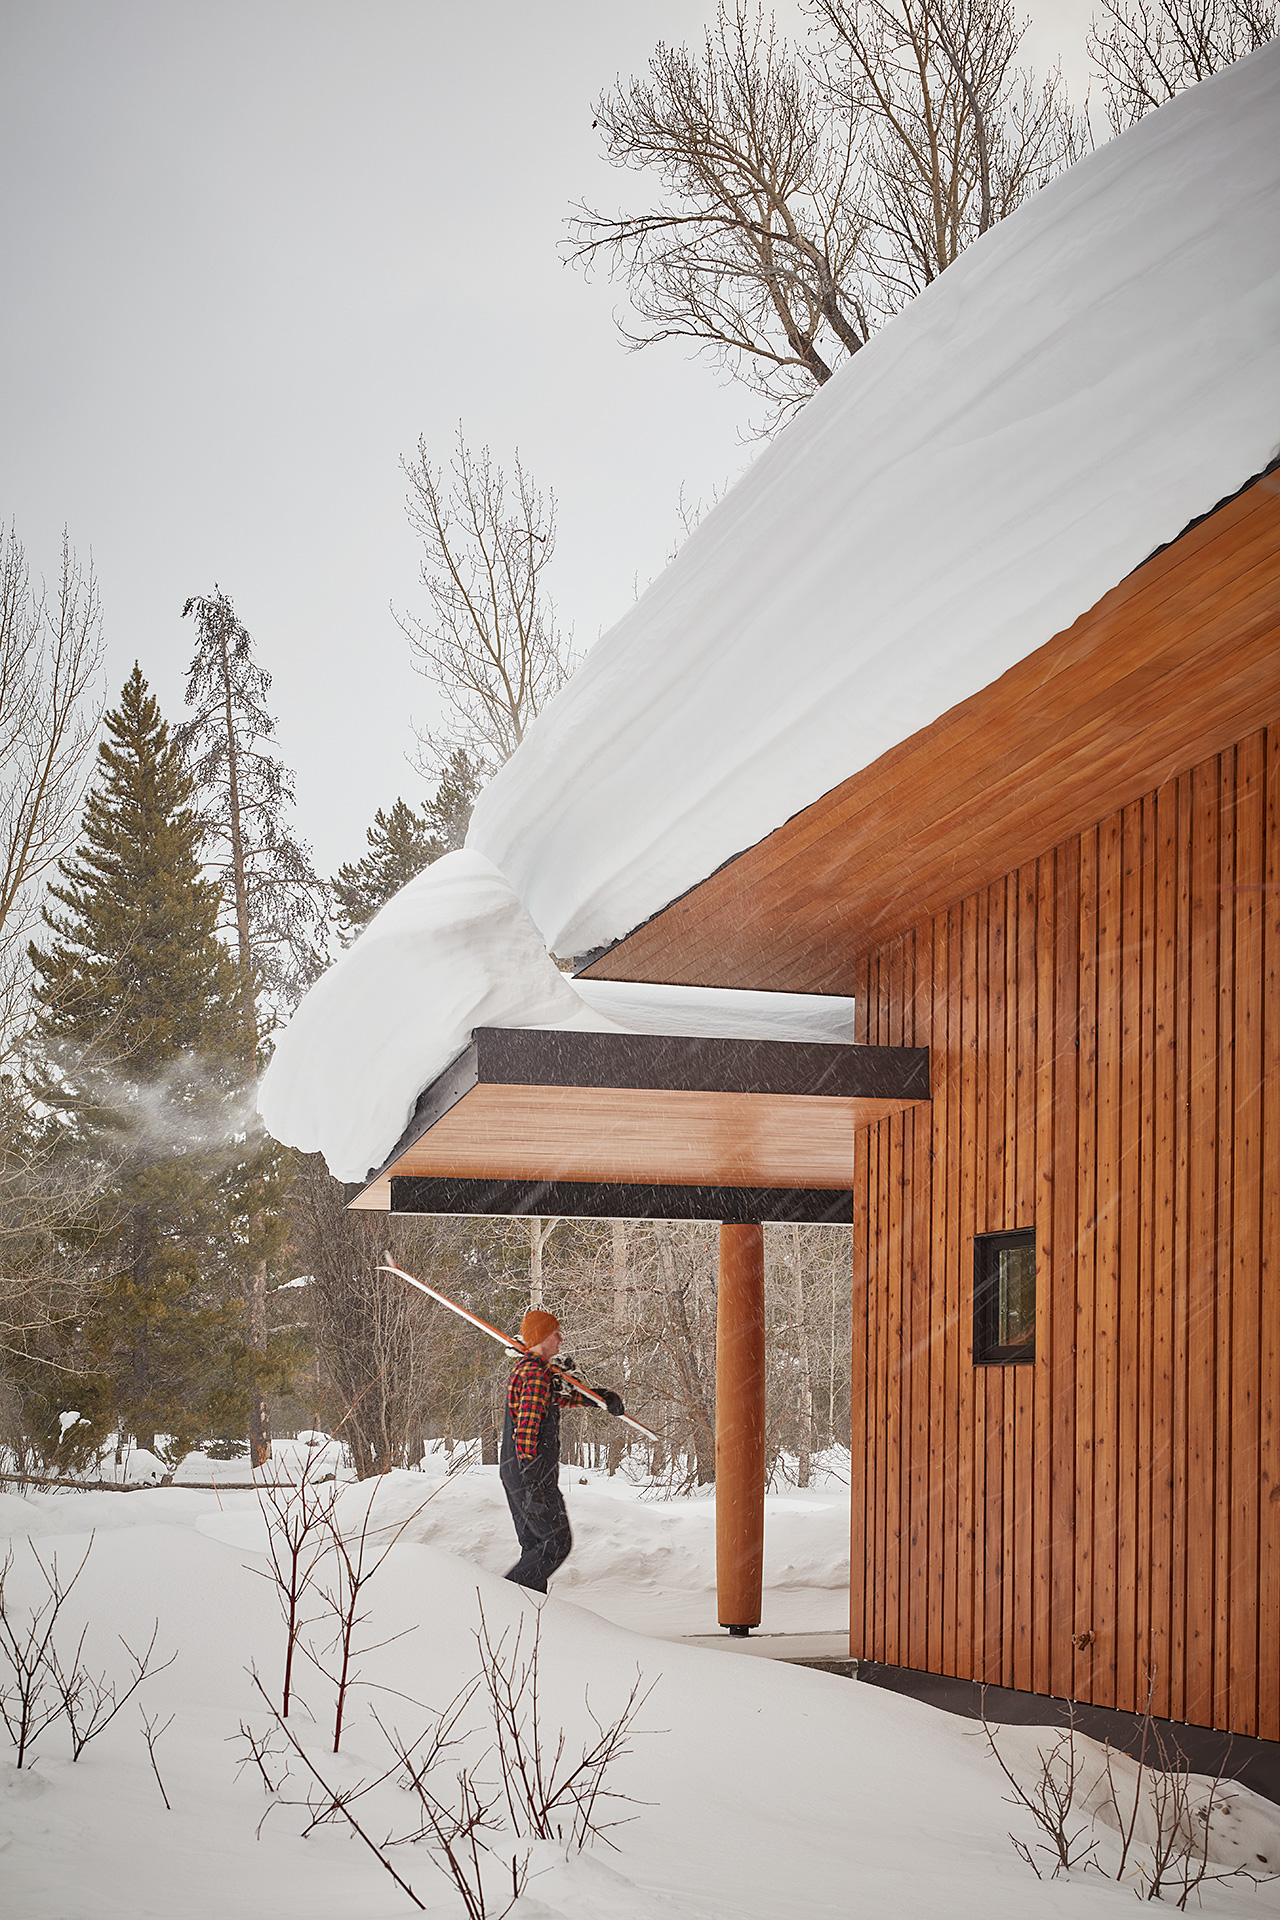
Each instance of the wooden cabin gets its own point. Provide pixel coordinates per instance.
(1068, 890)
(963, 705)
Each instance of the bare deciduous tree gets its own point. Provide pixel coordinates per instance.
(757, 249)
(688, 1340)
(41, 1685)
(50, 707)
(492, 643)
(804, 1434)
(957, 134)
(1146, 51)
(393, 1369)
(370, 1334)
(540, 1231)
(299, 1520)
(351, 1563)
(806, 194)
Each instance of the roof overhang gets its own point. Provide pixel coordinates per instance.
(1176, 663)
(659, 1126)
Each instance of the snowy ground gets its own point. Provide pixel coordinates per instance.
(762, 1789)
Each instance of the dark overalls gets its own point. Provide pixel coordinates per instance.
(533, 1491)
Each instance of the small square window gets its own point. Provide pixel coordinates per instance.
(1004, 1298)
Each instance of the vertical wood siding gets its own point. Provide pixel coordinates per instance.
(1105, 1035)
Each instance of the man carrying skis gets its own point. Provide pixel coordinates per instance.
(529, 1463)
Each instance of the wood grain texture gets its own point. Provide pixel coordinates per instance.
(1161, 1142)
(643, 1134)
(1269, 1303)
(1105, 1030)
(740, 1427)
(1169, 668)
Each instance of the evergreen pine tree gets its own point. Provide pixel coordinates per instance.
(405, 840)
(142, 1022)
(401, 844)
(449, 814)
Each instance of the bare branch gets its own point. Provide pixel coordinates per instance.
(492, 643)
(1146, 51)
(802, 195)
(92, 1701)
(50, 707)
(28, 1650)
(957, 133)
(756, 250)
(151, 1733)
(339, 1801)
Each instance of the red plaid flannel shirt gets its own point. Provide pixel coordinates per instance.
(533, 1387)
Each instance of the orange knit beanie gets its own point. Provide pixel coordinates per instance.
(536, 1325)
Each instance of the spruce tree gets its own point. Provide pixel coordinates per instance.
(405, 840)
(142, 1020)
(448, 814)
(401, 844)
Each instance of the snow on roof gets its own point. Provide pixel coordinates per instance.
(1093, 374)
(1090, 376)
(454, 951)
(721, 1012)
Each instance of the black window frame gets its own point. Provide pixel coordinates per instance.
(986, 1246)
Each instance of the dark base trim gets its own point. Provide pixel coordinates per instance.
(1254, 1763)
(614, 1200)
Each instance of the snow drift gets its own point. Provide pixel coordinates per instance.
(758, 1791)
(1091, 375)
(453, 951)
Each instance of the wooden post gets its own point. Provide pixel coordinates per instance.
(740, 1428)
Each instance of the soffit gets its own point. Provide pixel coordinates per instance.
(644, 1110)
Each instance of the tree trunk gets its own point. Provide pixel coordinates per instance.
(696, 1408)
(256, 1284)
(540, 1231)
(831, 1368)
(489, 1435)
(806, 1382)
(617, 1446)
(259, 1415)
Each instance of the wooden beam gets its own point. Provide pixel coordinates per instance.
(740, 1428)
(526, 1106)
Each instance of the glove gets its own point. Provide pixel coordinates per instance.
(612, 1400)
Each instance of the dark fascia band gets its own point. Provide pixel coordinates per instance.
(620, 1200)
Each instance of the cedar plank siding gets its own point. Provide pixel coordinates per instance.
(1105, 1027)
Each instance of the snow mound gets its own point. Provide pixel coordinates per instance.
(754, 1791)
(721, 1012)
(453, 951)
(1090, 376)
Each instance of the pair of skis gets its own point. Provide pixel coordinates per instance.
(504, 1340)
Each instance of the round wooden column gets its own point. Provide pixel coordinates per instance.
(740, 1427)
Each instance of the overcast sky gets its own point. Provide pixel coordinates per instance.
(252, 250)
